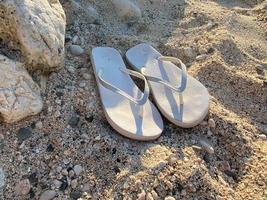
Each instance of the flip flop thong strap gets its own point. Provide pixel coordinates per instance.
(138, 101)
(182, 86)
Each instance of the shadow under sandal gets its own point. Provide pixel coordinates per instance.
(127, 109)
(181, 98)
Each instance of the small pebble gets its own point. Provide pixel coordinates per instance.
(71, 173)
(75, 39)
(89, 117)
(169, 198)
(75, 195)
(209, 133)
(155, 195)
(65, 172)
(149, 196)
(48, 195)
(39, 125)
(141, 196)
(206, 146)
(265, 130)
(259, 67)
(211, 123)
(74, 120)
(74, 183)
(77, 169)
(24, 134)
(201, 57)
(50, 148)
(262, 136)
(86, 76)
(76, 50)
(23, 187)
(57, 183)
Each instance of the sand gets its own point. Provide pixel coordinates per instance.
(174, 166)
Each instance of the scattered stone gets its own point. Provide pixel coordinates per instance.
(76, 50)
(74, 183)
(48, 195)
(224, 166)
(65, 172)
(71, 173)
(33, 178)
(211, 123)
(57, 183)
(127, 10)
(50, 148)
(77, 169)
(74, 120)
(89, 117)
(86, 76)
(24, 134)
(75, 195)
(262, 136)
(2, 178)
(64, 184)
(201, 57)
(75, 39)
(19, 94)
(39, 125)
(141, 196)
(155, 195)
(82, 84)
(169, 198)
(23, 187)
(260, 68)
(210, 133)
(206, 146)
(149, 196)
(265, 130)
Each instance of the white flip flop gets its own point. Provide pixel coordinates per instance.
(126, 108)
(181, 98)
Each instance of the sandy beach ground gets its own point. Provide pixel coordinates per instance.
(71, 150)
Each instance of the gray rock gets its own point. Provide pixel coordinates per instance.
(24, 134)
(19, 94)
(74, 120)
(206, 146)
(265, 130)
(127, 10)
(77, 169)
(48, 195)
(2, 179)
(38, 26)
(76, 50)
(23, 187)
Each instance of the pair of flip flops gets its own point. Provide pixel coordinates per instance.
(180, 98)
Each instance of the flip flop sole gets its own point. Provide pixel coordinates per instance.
(195, 97)
(122, 114)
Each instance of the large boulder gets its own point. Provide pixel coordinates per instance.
(37, 28)
(19, 94)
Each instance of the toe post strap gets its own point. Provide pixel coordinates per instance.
(182, 86)
(138, 101)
